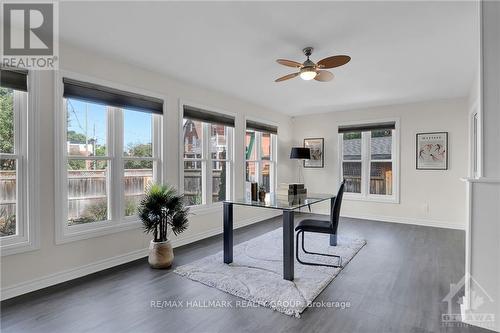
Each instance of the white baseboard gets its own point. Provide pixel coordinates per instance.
(408, 220)
(77, 272)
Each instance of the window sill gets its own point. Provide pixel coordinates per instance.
(97, 229)
(380, 199)
(16, 244)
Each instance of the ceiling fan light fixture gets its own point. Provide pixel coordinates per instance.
(308, 73)
(309, 70)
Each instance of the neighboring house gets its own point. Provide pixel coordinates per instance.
(80, 149)
(380, 173)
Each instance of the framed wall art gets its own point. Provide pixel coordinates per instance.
(432, 151)
(317, 146)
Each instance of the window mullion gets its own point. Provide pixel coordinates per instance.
(206, 166)
(156, 140)
(115, 142)
(63, 172)
(272, 178)
(139, 158)
(341, 156)
(93, 158)
(229, 164)
(365, 163)
(258, 174)
(19, 150)
(17, 123)
(394, 169)
(274, 151)
(229, 143)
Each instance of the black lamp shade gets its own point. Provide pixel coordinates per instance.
(300, 153)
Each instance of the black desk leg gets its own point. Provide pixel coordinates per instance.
(288, 239)
(228, 232)
(333, 238)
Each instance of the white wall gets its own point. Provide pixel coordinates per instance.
(441, 191)
(55, 263)
(483, 232)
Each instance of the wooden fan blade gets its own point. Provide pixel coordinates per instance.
(324, 76)
(286, 77)
(334, 61)
(289, 63)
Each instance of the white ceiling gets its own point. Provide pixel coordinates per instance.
(401, 51)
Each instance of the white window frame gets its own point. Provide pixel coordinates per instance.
(116, 198)
(475, 142)
(207, 206)
(259, 161)
(26, 154)
(366, 160)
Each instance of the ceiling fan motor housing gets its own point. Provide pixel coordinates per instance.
(308, 63)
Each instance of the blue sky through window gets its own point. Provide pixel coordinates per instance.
(90, 119)
(137, 128)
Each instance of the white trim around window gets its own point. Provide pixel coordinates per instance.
(117, 220)
(26, 153)
(207, 206)
(366, 163)
(475, 142)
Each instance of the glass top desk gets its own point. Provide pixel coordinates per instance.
(273, 202)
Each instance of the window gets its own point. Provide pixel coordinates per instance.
(193, 162)
(10, 162)
(88, 176)
(369, 159)
(351, 161)
(139, 160)
(207, 156)
(475, 146)
(220, 163)
(17, 164)
(260, 155)
(381, 179)
(111, 156)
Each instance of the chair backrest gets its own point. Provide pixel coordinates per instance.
(334, 216)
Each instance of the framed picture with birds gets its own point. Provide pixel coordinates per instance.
(432, 151)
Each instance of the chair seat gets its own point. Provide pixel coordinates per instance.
(315, 226)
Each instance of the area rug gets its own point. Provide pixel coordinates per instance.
(256, 274)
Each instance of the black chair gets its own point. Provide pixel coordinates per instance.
(321, 226)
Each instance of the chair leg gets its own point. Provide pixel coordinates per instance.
(315, 253)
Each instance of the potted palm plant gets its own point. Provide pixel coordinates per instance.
(160, 209)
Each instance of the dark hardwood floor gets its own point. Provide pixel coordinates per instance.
(395, 284)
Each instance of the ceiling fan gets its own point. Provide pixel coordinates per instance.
(308, 70)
